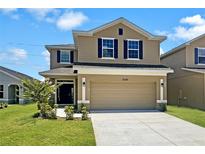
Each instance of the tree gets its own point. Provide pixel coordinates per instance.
(39, 92)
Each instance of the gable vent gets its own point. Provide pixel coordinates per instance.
(120, 31)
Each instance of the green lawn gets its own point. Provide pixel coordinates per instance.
(189, 114)
(17, 127)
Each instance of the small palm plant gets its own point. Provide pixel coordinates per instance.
(40, 93)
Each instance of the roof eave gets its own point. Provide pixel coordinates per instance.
(48, 47)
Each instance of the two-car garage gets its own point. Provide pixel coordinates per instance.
(122, 95)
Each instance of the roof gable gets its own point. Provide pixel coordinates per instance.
(14, 74)
(115, 22)
(178, 48)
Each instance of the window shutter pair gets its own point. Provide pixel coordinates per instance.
(140, 49)
(196, 55)
(100, 48)
(59, 54)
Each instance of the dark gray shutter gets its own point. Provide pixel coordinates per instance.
(58, 56)
(196, 51)
(115, 48)
(140, 49)
(71, 56)
(99, 48)
(125, 49)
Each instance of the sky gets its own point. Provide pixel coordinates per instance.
(24, 32)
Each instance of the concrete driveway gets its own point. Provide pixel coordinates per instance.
(145, 128)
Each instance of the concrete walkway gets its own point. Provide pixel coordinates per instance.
(145, 128)
(61, 113)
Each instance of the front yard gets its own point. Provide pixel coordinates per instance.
(189, 114)
(17, 127)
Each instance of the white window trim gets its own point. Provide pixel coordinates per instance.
(200, 56)
(69, 56)
(106, 38)
(128, 58)
(2, 91)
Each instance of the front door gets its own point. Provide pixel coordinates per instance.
(65, 94)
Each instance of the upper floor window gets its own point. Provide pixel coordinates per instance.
(65, 56)
(107, 48)
(201, 55)
(133, 49)
(1, 91)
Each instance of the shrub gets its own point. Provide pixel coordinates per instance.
(69, 111)
(84, 113)
(47, 111)
(52, 114)
(5, 105)
(36, 115)
(162, 107)
(1, 105)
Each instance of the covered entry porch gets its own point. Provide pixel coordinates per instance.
(13, 94)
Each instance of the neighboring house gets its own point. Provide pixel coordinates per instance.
(187, 85)
(114, 66)
(10, 85)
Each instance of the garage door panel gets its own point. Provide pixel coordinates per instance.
(123, 95)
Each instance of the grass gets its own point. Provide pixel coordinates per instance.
(192, 115)
(17, 127)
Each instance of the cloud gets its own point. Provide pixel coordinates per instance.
(66, 20)
(14, 55)
(191, 27)
(47, 56)
(44, 14)
(193, 20)
(63, 19)
(17, 54)
(11, 12)
(161, 51)
(70, 20)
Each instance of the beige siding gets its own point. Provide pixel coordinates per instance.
(190, 52)
(123, 95)
(184, 87)
(187, 90)
(176, 61)
(88, 50)
(53, 59)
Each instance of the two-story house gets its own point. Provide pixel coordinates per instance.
(114, 66)
(186, 86)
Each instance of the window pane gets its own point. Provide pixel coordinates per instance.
(1, 88)
(202, 60)
(65, 56)
(1, 95)
(133, 54)
(133, 45)
(108, 53)
(201, 52)
(107, 43)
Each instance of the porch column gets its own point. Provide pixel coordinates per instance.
(162, 96)
(83, 89)
(161, 89)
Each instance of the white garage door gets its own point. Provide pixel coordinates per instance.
(123, 95)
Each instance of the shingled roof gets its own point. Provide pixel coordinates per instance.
(15, 73)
